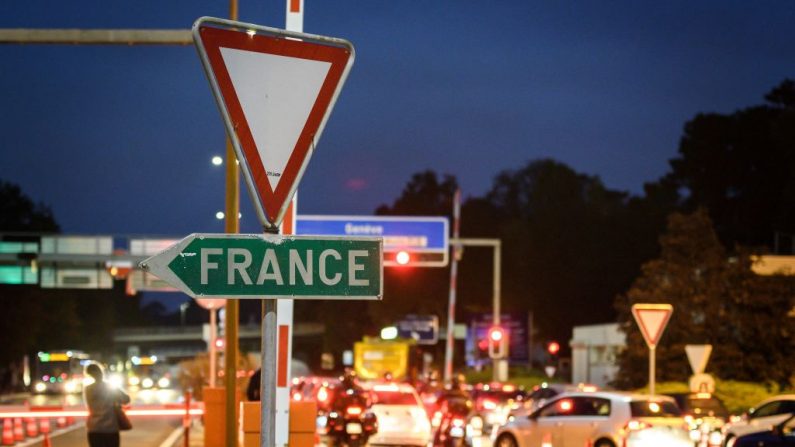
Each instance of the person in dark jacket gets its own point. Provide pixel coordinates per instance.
(252, 390)
(102, 398)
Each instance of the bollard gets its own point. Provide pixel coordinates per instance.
(44, 426)
(186, 421)
(31, 428)
(8, 432)
(19, 432)
(214, 416)
(302, 429)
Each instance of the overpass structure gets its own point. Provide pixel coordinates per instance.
(180, 342)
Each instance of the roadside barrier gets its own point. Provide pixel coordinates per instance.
(8, 432)
(31, 427)
(19, 432)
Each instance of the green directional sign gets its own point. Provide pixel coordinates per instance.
(272, 266)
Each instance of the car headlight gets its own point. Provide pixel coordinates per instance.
(163, 382)
(40, 387)
(88, 381)
(134, 381)
(147, 382)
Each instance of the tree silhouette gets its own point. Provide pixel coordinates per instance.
(717, 300)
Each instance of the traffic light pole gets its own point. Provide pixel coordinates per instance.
(500, 372)
(450, 341)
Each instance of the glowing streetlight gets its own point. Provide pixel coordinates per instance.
(217, 160)
(219, 215)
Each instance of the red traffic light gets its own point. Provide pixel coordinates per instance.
(496, 333)
(402, 257)
(498, 342)
(553, 347)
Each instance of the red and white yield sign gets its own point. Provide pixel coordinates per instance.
(276, 90)
(652, 319)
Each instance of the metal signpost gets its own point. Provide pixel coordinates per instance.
(652, 319)
(450, 341)
(275, 90)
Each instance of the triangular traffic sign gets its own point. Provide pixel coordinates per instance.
(698, 356)
(652, 319)
(276, 90)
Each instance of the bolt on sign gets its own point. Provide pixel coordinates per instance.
(273, 266)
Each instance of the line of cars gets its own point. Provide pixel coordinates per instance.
(557, 415)
(562, 415)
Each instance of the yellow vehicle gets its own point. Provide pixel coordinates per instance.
(373, 358)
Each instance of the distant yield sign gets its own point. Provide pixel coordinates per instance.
(272, 266)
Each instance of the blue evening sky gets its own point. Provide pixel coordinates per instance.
(119, 139)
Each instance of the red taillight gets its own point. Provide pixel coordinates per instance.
(353, 411)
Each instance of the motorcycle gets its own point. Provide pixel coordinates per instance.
(352, 426)
(452, 425)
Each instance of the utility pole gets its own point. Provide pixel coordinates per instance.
(232, 225)
(450, 341)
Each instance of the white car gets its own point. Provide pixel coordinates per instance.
(760, 418)
(598, 419)
(541, 394)
(402, 419)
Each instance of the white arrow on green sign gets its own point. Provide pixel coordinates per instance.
(272, 266)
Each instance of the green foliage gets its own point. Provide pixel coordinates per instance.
(741, 167)
(569, 243)
(19, 213)
(717, 300)
(738, 397)
(517, 375)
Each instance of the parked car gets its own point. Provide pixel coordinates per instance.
(768, 413)
(599, 419)
(705, 414)
(401, 415)
(781, 435)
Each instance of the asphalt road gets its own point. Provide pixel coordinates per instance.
(146, 432)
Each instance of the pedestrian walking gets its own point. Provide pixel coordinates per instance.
(105, 416)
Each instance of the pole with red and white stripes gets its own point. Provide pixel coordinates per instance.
(448, 352)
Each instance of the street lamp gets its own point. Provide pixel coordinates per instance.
(217, 160)
(182, 309)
